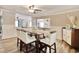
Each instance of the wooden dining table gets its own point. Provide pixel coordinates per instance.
(39, 34)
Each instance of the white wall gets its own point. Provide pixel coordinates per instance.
(8, 25)
(60, 20)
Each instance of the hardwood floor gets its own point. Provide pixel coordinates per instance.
(10, 46)
(63, 47)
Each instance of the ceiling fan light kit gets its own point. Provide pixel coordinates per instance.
(33, 9)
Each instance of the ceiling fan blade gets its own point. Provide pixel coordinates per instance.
(37, 10)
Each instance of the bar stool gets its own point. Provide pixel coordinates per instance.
(48, 43)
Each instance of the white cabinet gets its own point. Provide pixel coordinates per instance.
(67, 35)
(71, 36)
(64, 35)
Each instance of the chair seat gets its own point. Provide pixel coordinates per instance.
(25, 37)
(46, 41)
(29, 40)
(49, 40)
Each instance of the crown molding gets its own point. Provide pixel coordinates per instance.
(59, 13)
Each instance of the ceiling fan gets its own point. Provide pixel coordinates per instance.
(33, 9)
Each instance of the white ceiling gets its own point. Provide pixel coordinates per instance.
(46, 9)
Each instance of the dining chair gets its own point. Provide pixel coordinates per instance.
(27, 42)
(48, 43)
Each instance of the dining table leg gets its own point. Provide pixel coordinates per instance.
(37, 44)
(37, 47)
(21, 45)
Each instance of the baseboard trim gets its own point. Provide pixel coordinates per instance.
(8, 38)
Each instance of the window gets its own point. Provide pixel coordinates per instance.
(23, 21)
(43, 23)
(19, 22)
(16, 23)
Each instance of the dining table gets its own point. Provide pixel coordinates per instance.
(38, 34)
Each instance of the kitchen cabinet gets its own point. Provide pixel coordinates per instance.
(71, 36)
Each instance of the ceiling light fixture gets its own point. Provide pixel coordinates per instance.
(33, 9)
(30, 10)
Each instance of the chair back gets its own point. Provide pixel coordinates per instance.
(52, 38)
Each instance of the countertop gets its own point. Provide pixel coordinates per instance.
(38, 31)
